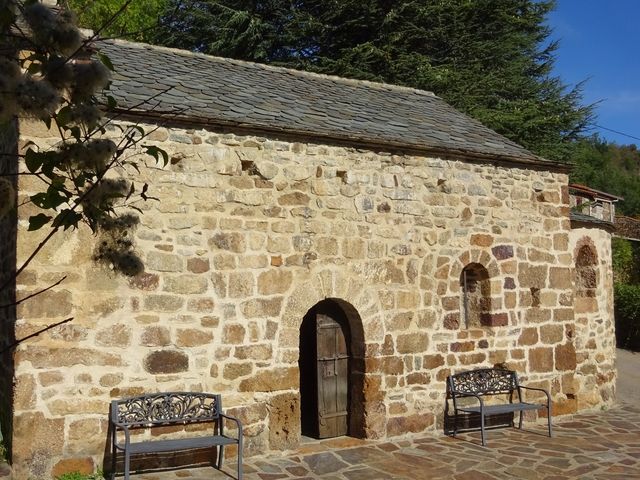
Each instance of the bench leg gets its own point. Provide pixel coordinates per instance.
(484, 444)
(520, 421)
(240, 461)
(113, 459)
(220, 456)
(127, 462)
(549, 417)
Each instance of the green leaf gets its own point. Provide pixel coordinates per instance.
(52, 198)
(38, 221)
(156, 152)
(111, 102)
(33, 160)
(67, 218)
(63, 117)
(75, 133)
(34, 68)
(106, 61)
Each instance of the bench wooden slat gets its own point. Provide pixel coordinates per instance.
(153, 446)
(506, 408)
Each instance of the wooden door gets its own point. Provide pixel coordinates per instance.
(332, 378)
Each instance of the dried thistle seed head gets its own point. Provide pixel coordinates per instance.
(38, 16)
(86, 114)
(90, 77)
(58, 71)
(41, 20)
(36, 97)
(102, 196)
(92, 154)
(65, 38)
(7, 196)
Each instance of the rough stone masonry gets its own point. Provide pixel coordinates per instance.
(248, 233)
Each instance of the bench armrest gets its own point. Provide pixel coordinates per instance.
(233, 419)
(127, 435)
(539, 390)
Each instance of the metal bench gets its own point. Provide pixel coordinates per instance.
(491, 381)
(169, 409)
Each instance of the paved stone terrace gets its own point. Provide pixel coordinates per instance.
(599, 445)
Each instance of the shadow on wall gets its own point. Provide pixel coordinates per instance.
(8, 238)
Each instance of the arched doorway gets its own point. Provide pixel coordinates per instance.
(328, 372)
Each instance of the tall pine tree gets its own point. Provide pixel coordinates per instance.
(489, 58)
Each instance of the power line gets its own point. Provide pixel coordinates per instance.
(614, 131)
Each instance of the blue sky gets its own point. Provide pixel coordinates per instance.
(600, 41)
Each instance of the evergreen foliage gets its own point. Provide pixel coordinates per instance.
(611, 168)
(134, 20)
(489, 58)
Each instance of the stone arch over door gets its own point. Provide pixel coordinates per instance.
(331, 364)
(362, 312)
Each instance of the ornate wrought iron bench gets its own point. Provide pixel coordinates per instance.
(491, 381)
(169, 409)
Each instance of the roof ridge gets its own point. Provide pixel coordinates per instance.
(265, 66)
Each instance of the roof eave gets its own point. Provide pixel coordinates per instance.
(166, 118)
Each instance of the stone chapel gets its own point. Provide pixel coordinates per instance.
(323, 252)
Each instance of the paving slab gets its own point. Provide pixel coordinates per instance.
(602, 445)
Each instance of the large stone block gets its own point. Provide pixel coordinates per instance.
(529, 336)
(274, 281)
(166, 361)
(163, 303)
(532, 276)
(155, 336)
(39, 440)
(43, 357)
(231, 371)
(284, 421)
(231, 241)
(541, 359)
(261, 307)
(565, 357)
(82, 465)
(192, 337)
(145, 281)
(273, 380)
(164, 262)
(412, 343)
(560, 278)
(254, 352)
(185, 284)
(118, 335)
(241, 284)
(49, 304)
(415, 423)
(233, 334)
(25, 392)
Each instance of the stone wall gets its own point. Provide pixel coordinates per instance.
(594, 329)
(248, 234)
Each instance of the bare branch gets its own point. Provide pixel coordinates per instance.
(35, 334)
(34, 294)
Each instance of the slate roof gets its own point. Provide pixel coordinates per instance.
(219, 91)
